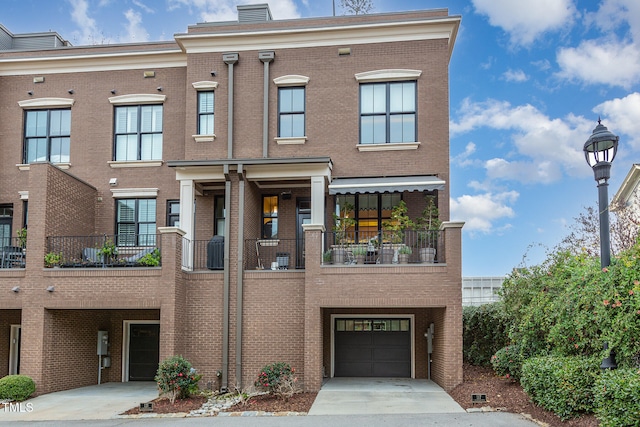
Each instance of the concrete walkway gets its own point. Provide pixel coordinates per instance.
(85, 403)
(355, 396)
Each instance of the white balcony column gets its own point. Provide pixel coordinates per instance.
(187, 204)
(317, 200)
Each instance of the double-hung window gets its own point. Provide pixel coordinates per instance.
(205, 112)
(138, 132)
(269, 217)
(291, 112)
(47, 135)
(388, 112)
(136, 222)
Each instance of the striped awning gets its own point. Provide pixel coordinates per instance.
(385, 184)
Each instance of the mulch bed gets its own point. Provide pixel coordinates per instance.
(162, 405)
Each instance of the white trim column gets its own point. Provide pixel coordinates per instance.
(187, 202)
(317, 200)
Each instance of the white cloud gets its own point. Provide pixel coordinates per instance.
(481, 212)
(525, 20)
(515, 76)
(135, 31)
(225, 10)
(599, 62)
(543, 147)
(463, 159)
(143, 6)
(87, 25)
(623, 116)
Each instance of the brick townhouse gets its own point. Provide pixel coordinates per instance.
(233, 196)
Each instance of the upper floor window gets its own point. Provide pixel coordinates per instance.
(291, 112)
(388, 112)
(138, 132)
(368, 210)
(205, 112)
(219, 216)
(173, 213)
(6, 221)
(269, 217)
(47, 135)
(136, 222)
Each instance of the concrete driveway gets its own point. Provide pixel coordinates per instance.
(356, 396)
(94, 402)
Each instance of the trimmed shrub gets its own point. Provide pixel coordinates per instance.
(16, 387)
(507, 362)
(278, 379)
(617, 398)
(563, 385)
(176, 378)
(485, 331)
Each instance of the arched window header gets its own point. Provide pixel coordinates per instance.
(46, 103)
(205, 85)
(291, 80)
(388, 75)
(139, 98)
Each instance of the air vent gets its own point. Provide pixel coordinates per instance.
(254, 13)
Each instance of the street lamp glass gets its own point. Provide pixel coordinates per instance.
(601, 146)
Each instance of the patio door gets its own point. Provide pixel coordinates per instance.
(144, 351)
(303, 215)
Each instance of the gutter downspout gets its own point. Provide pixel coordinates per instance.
(266, 57)
(230, 59)
(239, 289)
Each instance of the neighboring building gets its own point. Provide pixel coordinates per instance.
(627, 194)
(229, 150)
(481, 290)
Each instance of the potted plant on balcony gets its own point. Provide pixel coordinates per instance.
(393, 230)
(403, 254)
(52, 259)
(427, 226)
(109, 251)
(360, 253)
(342, 226)
(22, 237)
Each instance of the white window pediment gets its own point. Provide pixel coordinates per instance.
(205, 85)
(46, 103)
(388, 75)
(133, 193)
(138, 98)
(291, 80)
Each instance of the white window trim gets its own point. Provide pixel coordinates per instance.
(388, 75)
(27, 166)
(116, 164)
(138, 98)
(291, 80)
(133, 193)
(204, 138)
(295, 140)
(390, 146)
(205, 85)
(46, 103)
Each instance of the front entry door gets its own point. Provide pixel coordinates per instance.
(303, 212)
(144, 351)
(14, 350)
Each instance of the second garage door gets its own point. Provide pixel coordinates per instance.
(372, 348)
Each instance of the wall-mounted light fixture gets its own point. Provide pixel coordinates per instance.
(113, 91)
(113, 182)
(159, 88)
(286, 195)
(30, 93)
(16, 289)
(51, 288)
(213, 74)
(70, 91)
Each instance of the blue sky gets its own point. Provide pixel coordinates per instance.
(528, 80)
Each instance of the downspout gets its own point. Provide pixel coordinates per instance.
(239, 289)
(230, 59)
(266, 57)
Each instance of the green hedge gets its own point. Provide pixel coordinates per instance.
(617, 398)
(16, 387)
(484, 332)
(563, 385)
(507, 362)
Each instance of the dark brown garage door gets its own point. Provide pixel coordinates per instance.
(372, 348)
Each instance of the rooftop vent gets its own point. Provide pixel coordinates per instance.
(249, 13)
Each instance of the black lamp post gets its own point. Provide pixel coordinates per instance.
(599, 151)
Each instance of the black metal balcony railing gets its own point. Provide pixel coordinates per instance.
(123, 250)
(12, 252)
(383, 247)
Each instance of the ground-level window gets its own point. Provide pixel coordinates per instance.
(136, 222)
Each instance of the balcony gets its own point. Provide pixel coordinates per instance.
(383, 247)
(103, 251)
(12, 253)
